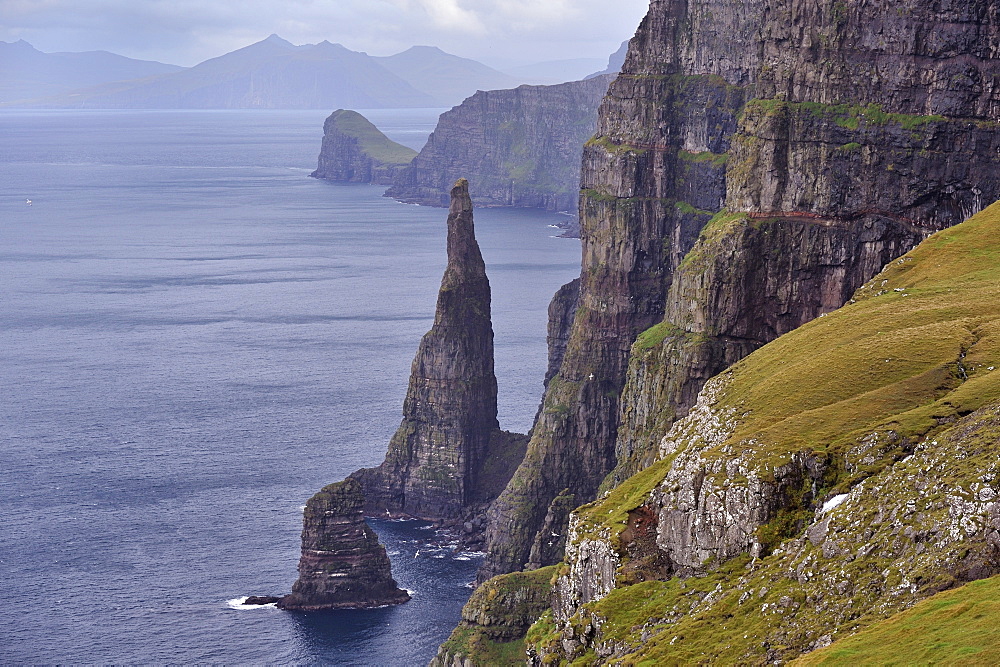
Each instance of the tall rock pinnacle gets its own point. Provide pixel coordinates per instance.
(449, 453)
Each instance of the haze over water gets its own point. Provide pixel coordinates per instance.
(195, 337)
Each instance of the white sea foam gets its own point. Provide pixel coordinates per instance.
(237, 603)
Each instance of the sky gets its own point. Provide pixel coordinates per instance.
(186, 32)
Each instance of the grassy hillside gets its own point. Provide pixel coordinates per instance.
(371, 140)
(957, 627)
(895, 400)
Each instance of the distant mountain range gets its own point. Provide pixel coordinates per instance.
(270, 74)
(26, 72)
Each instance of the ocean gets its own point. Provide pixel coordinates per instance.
(195, 337)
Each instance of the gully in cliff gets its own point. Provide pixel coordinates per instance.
(343, 566)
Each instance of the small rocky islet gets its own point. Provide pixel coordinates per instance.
(343, 565)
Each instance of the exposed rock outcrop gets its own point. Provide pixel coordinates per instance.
(449, 455)
(838, 475)
(518, 147)
(343, 566)
(496, 619)
(833, 136)
(562, 311)
(356, 151)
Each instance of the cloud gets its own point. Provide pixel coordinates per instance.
(448, 15)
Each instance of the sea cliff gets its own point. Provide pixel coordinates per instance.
(518, 147)
(355, 151)
(752, 167)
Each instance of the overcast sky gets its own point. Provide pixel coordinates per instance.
(185, 32)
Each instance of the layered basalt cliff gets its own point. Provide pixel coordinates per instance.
(355, 151)
(802, 146)
(518, 147)
(449, 456)
(343, 566)
(836, 476)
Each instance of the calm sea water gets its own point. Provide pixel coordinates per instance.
(195, 337)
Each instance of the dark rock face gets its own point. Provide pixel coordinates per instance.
(356, 151)
(835, 136)
(343, 566)
(518, 147)
(562, 311)
(449, 453)
(258, 600)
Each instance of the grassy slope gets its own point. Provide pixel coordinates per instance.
(918, 349)
(371, 140)
(913, 351)
(951, 628)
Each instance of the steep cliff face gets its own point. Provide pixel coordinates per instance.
(803, 145)
(343, 566)
(356, 151)
(449, 453)
(834, 477)
(518, 147)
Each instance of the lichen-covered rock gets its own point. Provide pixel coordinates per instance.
(356, 151)
(449, 453)
(495, 620)
(343, 566)
(518, 147)
(806, 144)
(833, 477)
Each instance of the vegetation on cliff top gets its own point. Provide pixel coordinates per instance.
(370, 139)
(899, 393)
(496, 617)
(915, 349)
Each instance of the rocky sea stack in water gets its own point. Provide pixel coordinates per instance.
(449, 456)
(343, 566)
(355, 151)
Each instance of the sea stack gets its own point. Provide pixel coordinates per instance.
(449, 454)
(355, 151)
(342, 566)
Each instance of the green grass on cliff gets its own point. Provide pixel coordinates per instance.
(497, 615)
(370, 139)
(957, 627)
(848, 116)
(917, 350)
(919, 347)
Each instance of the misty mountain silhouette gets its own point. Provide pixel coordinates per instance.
(276, 74)
(26, 72)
